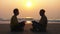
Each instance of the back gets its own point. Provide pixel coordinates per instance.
(14, 20)
(43, 20)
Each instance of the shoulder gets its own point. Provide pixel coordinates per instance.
(13, 17)
(45, 17)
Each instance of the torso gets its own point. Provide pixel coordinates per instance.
(43, 20)
(14, 20)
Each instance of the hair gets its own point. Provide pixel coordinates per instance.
(15, 10)
(42, 11)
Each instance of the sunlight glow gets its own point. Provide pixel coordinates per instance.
(28, 17)
(29, 4)
(28, 22)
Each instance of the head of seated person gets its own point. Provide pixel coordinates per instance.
(16, 12)
(42, 12)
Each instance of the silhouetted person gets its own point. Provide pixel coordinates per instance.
(43, 21)
(42, 25)
(15, 25)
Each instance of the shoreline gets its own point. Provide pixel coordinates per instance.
(48, 23)
(51, 29)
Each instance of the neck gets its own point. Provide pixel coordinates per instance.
(43, 16)
(15, 15)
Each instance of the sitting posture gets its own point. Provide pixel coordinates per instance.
(42, 25)
(35, 26)
(15, 25)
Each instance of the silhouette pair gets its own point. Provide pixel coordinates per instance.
(37, 26)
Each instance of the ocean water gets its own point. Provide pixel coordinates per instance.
(49, 21)
(51, 28)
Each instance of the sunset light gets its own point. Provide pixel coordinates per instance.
(28, 22)
(30, 8)
(24, 16)
(28, 3)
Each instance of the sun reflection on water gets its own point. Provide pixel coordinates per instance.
(28, 22)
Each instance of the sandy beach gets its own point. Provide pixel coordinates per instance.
(52, 28)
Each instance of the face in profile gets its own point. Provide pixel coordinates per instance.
(42, 11)
(16, 12)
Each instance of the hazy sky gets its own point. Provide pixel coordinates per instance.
(52, 8)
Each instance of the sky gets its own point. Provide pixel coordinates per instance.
(30, 8)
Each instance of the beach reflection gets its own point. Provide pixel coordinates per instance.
(28, 22)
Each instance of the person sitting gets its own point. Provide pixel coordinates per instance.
(14, 24)
(43, 21)
(42, 24)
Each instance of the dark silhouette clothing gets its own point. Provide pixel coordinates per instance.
(35, 25)
(14, 21)
(43, 21)
(42, 24)
(15, 26)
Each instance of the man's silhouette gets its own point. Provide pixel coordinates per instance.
(43, 21)
(15, 25)
(42, 24)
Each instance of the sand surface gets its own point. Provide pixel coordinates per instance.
(52, 28)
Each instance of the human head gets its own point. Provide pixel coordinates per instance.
(42, 12)
(16, 11)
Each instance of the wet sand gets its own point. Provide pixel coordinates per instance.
(52, 28)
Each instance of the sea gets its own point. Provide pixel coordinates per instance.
(8, 21)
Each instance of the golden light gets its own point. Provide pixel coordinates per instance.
(29, 4)
(28, 22)
(28, 17)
